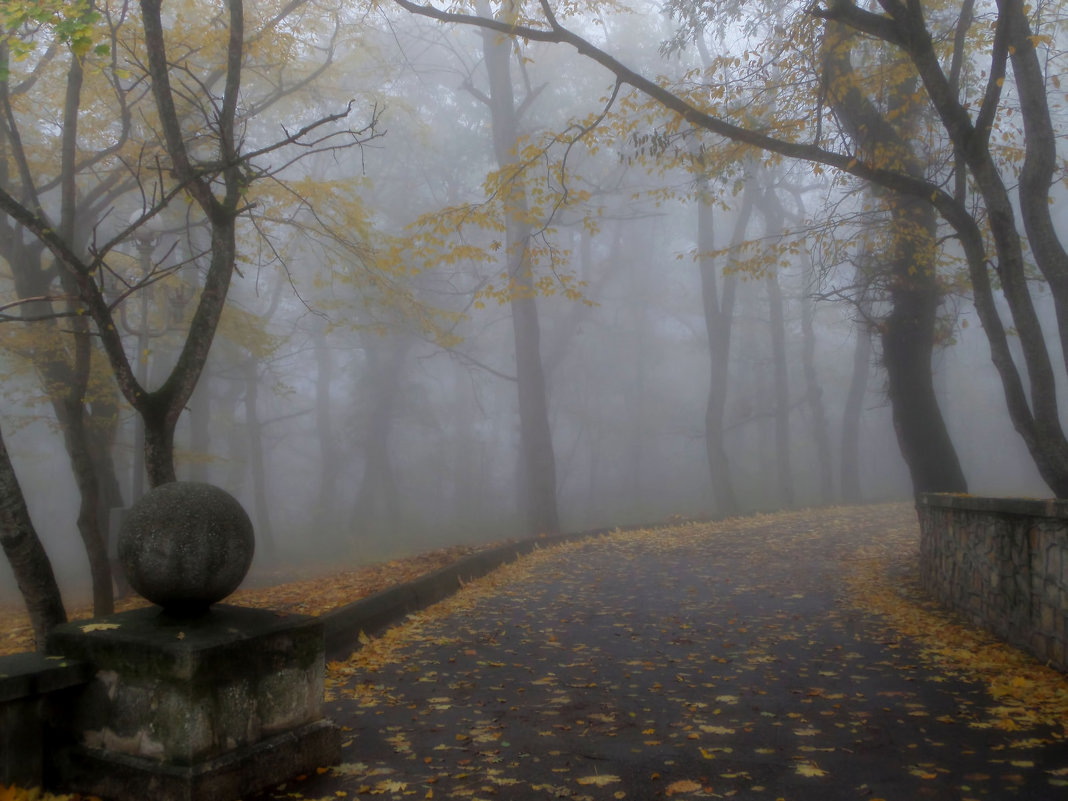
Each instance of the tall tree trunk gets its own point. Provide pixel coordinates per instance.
(719, 319)
(102, 424)
(378, 505)
(814, 399)
(851, 413)
(777, 325)
(326, 500)
(908, 339)
(774, 223)
(79, 447)
(535, 435)
(200, 430)
(66, 373)
(643, 253)
(908, 331)
(257, 463)
(29, 562)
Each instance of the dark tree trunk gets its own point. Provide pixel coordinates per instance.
(326, 500)
(777, 325)
(63, 370)
(103, 424)
(774, 223)
(29, 562)
(1034, 410)
(79, 447)
(719, 319)
(814, 400)
(200, 431)
(908, 339)
(643, 253)
(535, 435)
(854, 406)
(257, 463)
(908, 331)
(159, 444)
(378, 505)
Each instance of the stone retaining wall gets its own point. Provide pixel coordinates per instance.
(34, 690)
(1003, 563)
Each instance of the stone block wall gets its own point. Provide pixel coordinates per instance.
(34, 693)
(1002, 563)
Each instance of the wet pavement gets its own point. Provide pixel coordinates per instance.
(734, 659)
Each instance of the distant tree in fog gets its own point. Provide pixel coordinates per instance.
(960, 71)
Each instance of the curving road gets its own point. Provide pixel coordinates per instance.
(717, 660)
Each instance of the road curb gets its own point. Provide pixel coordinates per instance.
(376, 613)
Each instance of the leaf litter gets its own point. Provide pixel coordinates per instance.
(775, 656)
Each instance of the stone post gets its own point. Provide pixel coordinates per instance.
(192, 699)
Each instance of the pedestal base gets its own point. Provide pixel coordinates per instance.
(248, 770)
(210, 709)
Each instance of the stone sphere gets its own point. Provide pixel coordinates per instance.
(185, 546)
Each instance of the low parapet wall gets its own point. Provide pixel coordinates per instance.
(33, 691)
(378, 612)
(1003, 563)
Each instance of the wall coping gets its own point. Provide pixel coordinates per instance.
(1027, 507)
(28, 675)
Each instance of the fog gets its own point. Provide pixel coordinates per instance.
(362, 402)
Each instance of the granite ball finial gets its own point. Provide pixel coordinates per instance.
(185, 546)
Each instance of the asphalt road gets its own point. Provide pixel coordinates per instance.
(730, 660)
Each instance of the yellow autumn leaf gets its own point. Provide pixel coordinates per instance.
(683, 786)
(88, 627)
(717, 730)
(599, 780)
(810, 769)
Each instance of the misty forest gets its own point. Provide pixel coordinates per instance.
(401, 276)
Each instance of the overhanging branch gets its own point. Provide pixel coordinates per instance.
(557, 34)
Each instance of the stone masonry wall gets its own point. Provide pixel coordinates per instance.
(1003, 563)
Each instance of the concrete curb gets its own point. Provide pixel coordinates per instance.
(376, 613)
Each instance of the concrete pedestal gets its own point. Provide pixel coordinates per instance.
(211, 709)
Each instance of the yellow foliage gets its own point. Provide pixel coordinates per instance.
(599, 780)
(14, 793)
